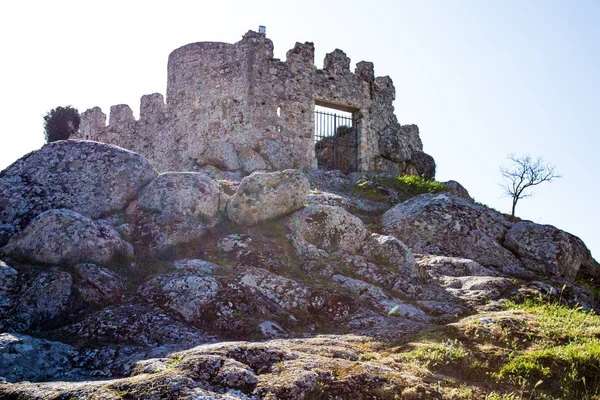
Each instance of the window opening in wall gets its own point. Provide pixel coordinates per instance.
(336, 139)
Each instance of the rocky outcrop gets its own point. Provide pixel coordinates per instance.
(424, 164)
(25, 358)
(99, 286)
(41, 300)
(135, 324)
(66, 237)
(328, 228)
(443, 224)
(250, 160)
(222, 155)
(548, 250)
(8, 285)
(175, 208)
(263, 196)
(389, 252)
(392, 145)
(328, 262)
(90, 178)
(182, 292)
(458, 190)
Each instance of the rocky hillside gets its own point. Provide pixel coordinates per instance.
(117, 282)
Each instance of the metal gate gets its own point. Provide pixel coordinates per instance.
(336, 141)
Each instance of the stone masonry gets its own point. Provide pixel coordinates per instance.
(233, 107)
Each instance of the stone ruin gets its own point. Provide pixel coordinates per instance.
(233, 107)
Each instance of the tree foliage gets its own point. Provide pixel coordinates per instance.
(524, 173)
(60, 123)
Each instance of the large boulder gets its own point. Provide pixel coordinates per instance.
(137, 324)
(222, 155)
(391, 253)
(443, 224)
(90, 178)
(275, 154)
(397, 143)
(329, 228)
(458, 190)
(25, 358)
(392, 145)
(548, 250)
(182, 292)
(41, 299)
(66, 237)
(175, 208)
(267, 195)
(424, 164)
(98, 285)
(250, 160)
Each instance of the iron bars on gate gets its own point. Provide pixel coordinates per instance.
(336, 141)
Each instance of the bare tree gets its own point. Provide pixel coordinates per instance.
(524, 173)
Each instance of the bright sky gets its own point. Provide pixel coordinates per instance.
(481, 78)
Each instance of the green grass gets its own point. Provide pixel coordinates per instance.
(413, 185)
(560, 323)
(407, 186)
(436, 354)
(591, 285)
(566, 359)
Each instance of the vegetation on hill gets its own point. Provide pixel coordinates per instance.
(60, 123)
(534, 349)
(406, 186)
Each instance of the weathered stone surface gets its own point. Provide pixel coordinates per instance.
(287, 293)
(263, 196)
(24, 358)
(391, 145)
(475, 288)
(251, 161)
(389, 252)
(442, 224)
(90, 178)
(8, 289)
(175, 208)
(379, 300)
(548, 250)
(199, 267)
(136, 324)
(222, 95)
(272, 330)
(424, 164)
(453, 266)
(329, 228)
(176, 195)
(182, 292)
(8, 278)
(458, 190)
(222, 155)
(42, 299)
(99, 285)
(66, 237)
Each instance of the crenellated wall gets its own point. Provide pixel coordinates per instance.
(235, 107)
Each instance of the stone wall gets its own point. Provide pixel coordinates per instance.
(235, 107)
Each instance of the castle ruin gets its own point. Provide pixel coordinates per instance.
(233, 107)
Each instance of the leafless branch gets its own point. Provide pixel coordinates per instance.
(524, 173)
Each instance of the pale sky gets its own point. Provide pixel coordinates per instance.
(481, 78)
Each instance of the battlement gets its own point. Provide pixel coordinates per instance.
(250, 110)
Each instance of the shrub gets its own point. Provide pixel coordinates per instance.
(60, 123)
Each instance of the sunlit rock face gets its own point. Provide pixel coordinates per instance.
(92, 179)
(249, 278)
